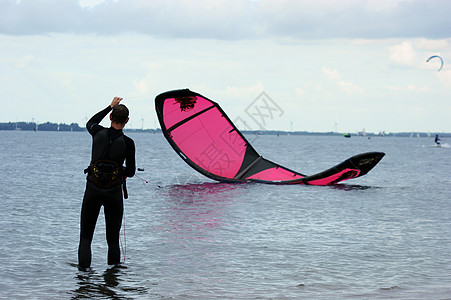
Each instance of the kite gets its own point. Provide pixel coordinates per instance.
(441, 60)
(206, 139)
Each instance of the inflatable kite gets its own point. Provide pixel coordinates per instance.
(207, 140)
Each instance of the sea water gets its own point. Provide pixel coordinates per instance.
(384, 235)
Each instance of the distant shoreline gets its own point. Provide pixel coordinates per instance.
(31, 126)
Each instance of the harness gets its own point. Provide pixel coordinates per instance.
(106, 173)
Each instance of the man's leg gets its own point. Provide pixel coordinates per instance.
(113, 209)
(89, 213)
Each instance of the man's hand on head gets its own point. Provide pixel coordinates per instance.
(116, 101)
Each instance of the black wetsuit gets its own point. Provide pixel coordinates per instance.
(111, 144)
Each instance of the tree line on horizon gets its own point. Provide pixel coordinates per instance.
(48, 126)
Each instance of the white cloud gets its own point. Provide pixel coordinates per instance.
(141, 86)
(420, 89)
(350, 88)
(445, 78)
(299, 91)
(244, 92)
(25, 61)
(409, 88)
(433, 45)
(346, 86)
(331, 73)
(394, 88)
(403, 54)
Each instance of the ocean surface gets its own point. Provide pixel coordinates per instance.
(386, 235)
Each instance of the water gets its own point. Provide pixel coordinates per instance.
(384, 235)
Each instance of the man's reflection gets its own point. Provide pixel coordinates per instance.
(108, 285)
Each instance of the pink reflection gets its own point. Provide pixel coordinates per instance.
(195, 211)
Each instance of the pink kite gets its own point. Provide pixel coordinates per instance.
(207, 140)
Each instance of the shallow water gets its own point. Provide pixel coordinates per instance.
(384, 235)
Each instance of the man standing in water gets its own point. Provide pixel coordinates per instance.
(106, 181)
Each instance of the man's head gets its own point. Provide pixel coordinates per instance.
(119, 115)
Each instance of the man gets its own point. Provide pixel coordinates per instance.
(437, 139)
(106, 181)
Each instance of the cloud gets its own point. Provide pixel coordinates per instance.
(394, 88)
(433, 45)
(244, 91)
(299, 91)
(230, 19)
(420, 89)
(403, 54)
(445, 78)
(25, 61)
(410, 88)
(143, 85)
(346, 86)
(331, 73)
(349, 87)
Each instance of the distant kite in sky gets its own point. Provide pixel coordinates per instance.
(436, 56)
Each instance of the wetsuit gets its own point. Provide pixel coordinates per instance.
(108, 144)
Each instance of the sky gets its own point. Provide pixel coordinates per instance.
(323, 65)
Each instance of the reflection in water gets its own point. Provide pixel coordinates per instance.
(195, 209)
(109, 285)
(351, 187)
(208, 191)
